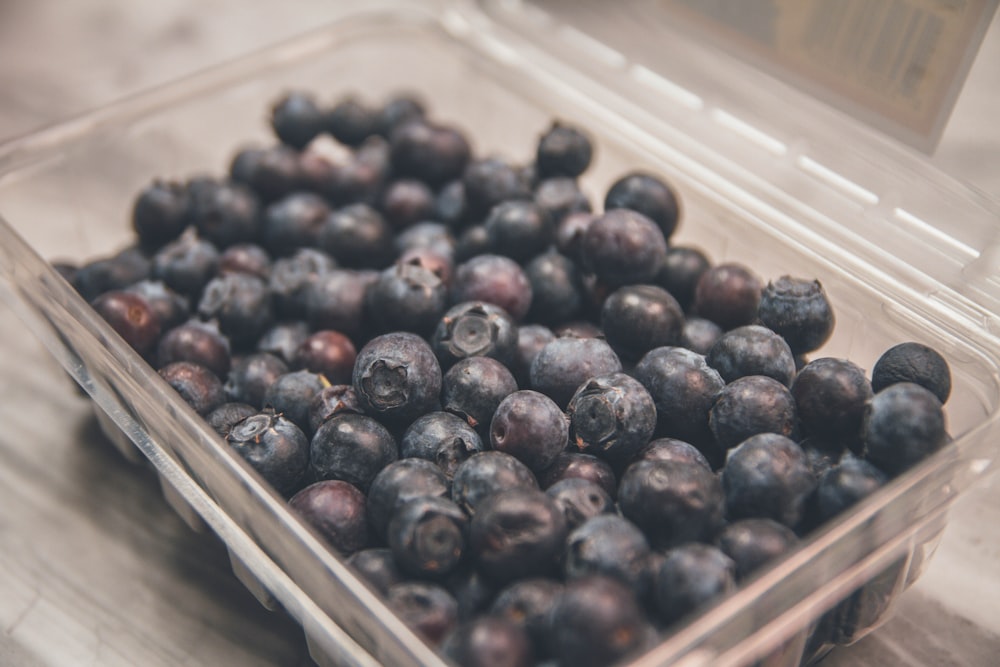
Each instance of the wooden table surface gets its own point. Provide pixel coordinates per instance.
(96, 569)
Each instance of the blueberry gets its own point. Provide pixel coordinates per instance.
(252, 375)
(351, 122)
(291, 393)
(441, 438)
(573, 465)
(684, 389)
(648, 195)
(118, 272)
(397, 377)
(488, 182)
(332, 401)
(401, 108)
(623, 247)
(516, 533)
(597, 621)
(903, 425)
(680, 272)
(472, 242)
(691, 577)
(474, 329)
(159, 213)
(357, 237)
(699, 334)
(489, 641)
(438, 263)
(531, 338)
(198, 342)
(361, 179)
(519, 229)
(830, 398)
(916, 363)
(283, 339)
(435, 154)
(291, 278)
(767, 476)
(274, 446)
(607, 544)
(272, 172)
(186, 264)
(672, 502)
(169, 307)
(471, 589)
(407, 201)
(580, 500)
(431, 235)
(198, 386)
(639, 318)
(752, 350)
(671, 449)
(428, 609)
(336, 510)
(753, 543)
(225, 213)
(799, 311)
(241, 304)
(449, 205)
(399, 483)
(335, 300)
(297, 119)
(728, 294)
(845, 484)
(485, 473)
(329, 353)
(564, 150)
(565, 363)
(293, 222)
(494, 279)
(560, 197)
(473, 389)
(528, 603)
(530, 427)
(611, 416)
(351, 447)
(245, 258)
(569, 235)
(377, 567)
(405, 297)
(556, 289)
(427, 536)
(131, 317)
(750, 405)
(227, 415)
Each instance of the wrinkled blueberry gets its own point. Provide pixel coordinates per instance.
(441, 438)
(474, 329)
(797, 310)
(228, 415)
(728, 294)
(638, 318)
(198, 386)
(274, 446)
(399, 483)
(494, 279)
(337, 510)
(623, 247)
(352, 448)
(580, 500)
(607, 544)
(753, 543)
(750, 405)
(427, 536)
(251, 375)
(648, 195)
(752, 350)
(428, 609)
(611, 416)
(485, 473)
(530, 427)
(473, 389)
(767, 476)
(916, 363)
(903, 425)
(564, 364)
(397, 377)
(690, 577)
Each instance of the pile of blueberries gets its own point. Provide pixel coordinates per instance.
(540, 431)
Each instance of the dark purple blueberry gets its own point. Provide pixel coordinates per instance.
(170, 308)
(358, 180)
(474, 329)
(530, 427)
(727, 294)
(245, 258)
(427, 609)
(561, 197)
(198, 386)
(351, 447)
(648, 195)
(407, 201)
(699, 334)
(377, 567)
(431, 235)
(564, 150)
(241, 304)
(397, 377)
(519, 229)
(517, 533)
(473, 389)
(639, 318)
(472, 242)
(767, 476)
(427, 536)
(228, 415)
(494, 279)
(294, 222)
(283, 339)
(272, 172)
(225, 213)
(297, 119)
(399, 483)
(690, 577)
(320, 172)
(117, 272)
(565, 363)
(351, 122)
(750, 405)
(845, 484)
(489, 182)
(611, 416)
(671, 449)
(528, 603)
(597, 621)
(830, 398)
(251, 375)
(916, 363)
(131, 317)
(903, 425)
(607, 544)
(580, 500)
(336, 300)
(357, 237)
(684, 389)
(672, 502)
(406, 297)
(332, 401)
(797, 310)
(329, 353)
(435, 154)
(569, 235)
(556, 288)
(291, 277)
(337, 510)
(449, 205)
(753, 543)
(195, 341)
(159, 214)
(752, 350)
(531, 338)
(489, 641)
(471, 589)
(623, 247)
(572, 465)
(274, 447)
(186, 264)
(441, 438)
(680, 272)
(291, 394)
(485, 473)
(401, 108)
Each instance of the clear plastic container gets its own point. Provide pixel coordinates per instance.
(903, 252)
